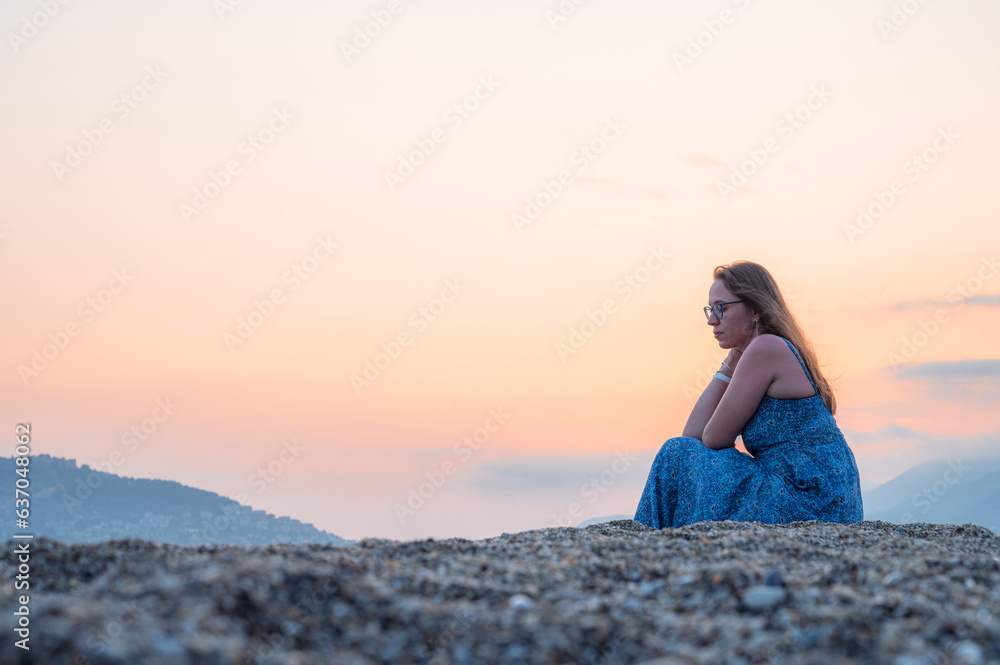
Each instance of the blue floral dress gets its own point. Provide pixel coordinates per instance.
(799, 468)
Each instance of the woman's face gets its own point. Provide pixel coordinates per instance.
(736, 327)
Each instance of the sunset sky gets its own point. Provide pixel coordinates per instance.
(265, 239)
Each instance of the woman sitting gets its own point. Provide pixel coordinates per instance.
(769, 390)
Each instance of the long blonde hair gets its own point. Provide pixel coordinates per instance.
(752, 282)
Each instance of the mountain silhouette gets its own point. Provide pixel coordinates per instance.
(79, 504)
(940, 491)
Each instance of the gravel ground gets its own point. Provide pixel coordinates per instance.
(712, 592)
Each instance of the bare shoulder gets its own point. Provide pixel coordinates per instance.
(789, 381)
(767, 345)
(764, 356)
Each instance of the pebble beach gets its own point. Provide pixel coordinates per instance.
(713, 592)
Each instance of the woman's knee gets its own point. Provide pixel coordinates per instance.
(676, 442)
(679, 441)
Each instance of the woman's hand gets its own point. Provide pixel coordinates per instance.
(733, 359)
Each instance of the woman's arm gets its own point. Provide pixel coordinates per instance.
(751, 379)
(709, 400)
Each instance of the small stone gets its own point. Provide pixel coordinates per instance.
(650, 589)
(892, 579)
(761, 597)
(164, 645)
(520, 602)
(809, 638)
(969, 653)
(774, 578)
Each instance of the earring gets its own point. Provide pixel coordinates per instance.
(755, 325)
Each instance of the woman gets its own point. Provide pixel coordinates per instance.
(769, 390)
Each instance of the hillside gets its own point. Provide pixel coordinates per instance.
(78, 504)
(942, 491)
(805, 593)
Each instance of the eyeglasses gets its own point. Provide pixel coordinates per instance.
(718, 309)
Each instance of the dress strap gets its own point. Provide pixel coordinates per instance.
(804, 368)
